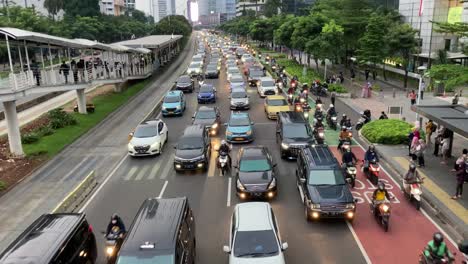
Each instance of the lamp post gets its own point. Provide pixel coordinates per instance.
(422, 70)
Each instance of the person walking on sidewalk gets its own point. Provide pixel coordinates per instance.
(420, 149)
(65, 70)
(352, 74)
(423, 88)
(461, 172)
(412, 96)
(333, 97)
(430, 128)
(438, 140)
(462, 159)
(366, 73)
(445, 149)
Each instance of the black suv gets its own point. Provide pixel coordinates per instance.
(163, 231)
(322, 185)
(293, 132)
(54, 238)
(185, 84)
(193, 149)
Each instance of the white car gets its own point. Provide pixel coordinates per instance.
(148, 138)
(254, 235)
(246, 57)
(239, 99)
(233, 70)
(237, 81)
(194, 68)
(266, 86)
(199, 58)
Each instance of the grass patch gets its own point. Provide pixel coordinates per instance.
(388, 131)
(105, 104)
(3, 185)
(295, 69)
(337, 88)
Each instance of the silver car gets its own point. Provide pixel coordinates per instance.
(239, 99)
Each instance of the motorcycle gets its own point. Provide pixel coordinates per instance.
(306, 109)
(381, 212)
(223, 160)
(463, 247)
(332, 121)
(298, 107)
(362, 121)
(350, 173)
(434, 260)
(290, 98)
(413, 192)
(372, 173)
(113, 242)
(319, 134)
(347, 143)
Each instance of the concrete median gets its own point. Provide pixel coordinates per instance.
(74, 199)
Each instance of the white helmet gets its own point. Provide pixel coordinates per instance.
(223, 142)
(331, 105)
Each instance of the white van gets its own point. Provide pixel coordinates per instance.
(266, 86)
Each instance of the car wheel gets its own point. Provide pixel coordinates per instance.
(167, 137)
(160, 148)
(306, 212)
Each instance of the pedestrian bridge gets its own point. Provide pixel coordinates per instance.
(49, 64)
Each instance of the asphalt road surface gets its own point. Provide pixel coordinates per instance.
(135, 179)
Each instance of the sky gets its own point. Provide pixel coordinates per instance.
(194, 11)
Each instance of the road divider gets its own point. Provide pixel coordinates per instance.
(74, 199)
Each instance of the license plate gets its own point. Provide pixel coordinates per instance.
(239, 139)
(170, 112)
(190, 166)
(258, 194)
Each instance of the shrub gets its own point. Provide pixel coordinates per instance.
(30, 138)
(337, 88)
(387, 131)
(3, 185)
(45, 131)
(59, 118)
(376, 88)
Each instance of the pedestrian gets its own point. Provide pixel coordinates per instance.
(341, 77)
(438, 140)
(423, 88)
(333, 97)
(383, 116)
(417, 136)
(461, 174)
(352, 74)
(462, 159)
(420, 150)
(412, 96)
(445, 149)
(74, 70)
(36, 72)
(455, 99)
(366, 73)
(410, 142)
(415, 146)
(430, 128)
(65, 70)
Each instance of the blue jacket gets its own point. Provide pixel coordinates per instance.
(371, 155)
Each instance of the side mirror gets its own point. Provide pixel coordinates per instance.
(226, 249)
(252, 123)
(356, 200)
(302, 180)
(284, 246)
(235, 167)
(225, 124)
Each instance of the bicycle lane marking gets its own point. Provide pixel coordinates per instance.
(409, 230)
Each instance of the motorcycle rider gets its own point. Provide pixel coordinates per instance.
(318, 102)
(411, 176)
(226, 148)
(115, 221)
(344, 136)
(370, 155)
(318, 124)
(437, 249)
(343, 120)
(348, 157)
(379, 195)
(331, 111)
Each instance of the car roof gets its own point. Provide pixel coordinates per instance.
(40, 242)
(238, 89)
(173, 93)
(272, 97)
(266, 78)
(320, 156)
(207, 85)
(184, 78)
(194, 130)
(149, 123)
(206, 108)
(157, 222)
(239, 115)
(253, 216)
(292, 117)
(237, 76)
(253, 152)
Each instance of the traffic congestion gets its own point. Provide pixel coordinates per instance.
(241, 167)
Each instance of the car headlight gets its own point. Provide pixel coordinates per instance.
(177, 107)
(130, 145)
(321, 134)
(155, 145)
(240, 186)
(284, 145)
(215, 126)
(163, 107)
(272, 184)
(197, 70)
(249, 133)
(314, 206)
(228, 133)
(350, 206)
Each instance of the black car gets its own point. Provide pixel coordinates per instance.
(255, 173)
(322, 185)
(54, 238)
(212, 71)
(254, 76)
(293, 132)
(163, 231)
(193, 149)
(185, 84)
(209, 117)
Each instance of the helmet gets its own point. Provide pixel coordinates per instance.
(438, 239)
(331, 105)
(412, 166)
(381, 186)
(344, 128)
(372, 147)
(223, 142)
(114, 219)
(344, 115)
(348, 150)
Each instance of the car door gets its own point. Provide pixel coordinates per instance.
(162, 132)
(301, 177)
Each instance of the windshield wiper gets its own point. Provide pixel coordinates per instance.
(323, 184)
(256, 254)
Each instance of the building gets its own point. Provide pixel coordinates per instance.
(210, 20)
(243, 6)
(112, 7)
(162, 8)
(439, 11)
(130, 4)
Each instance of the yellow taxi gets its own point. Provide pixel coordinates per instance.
(275, 104)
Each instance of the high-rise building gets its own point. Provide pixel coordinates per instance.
(112, 7)
(130, 4)
(162, 8)
(256, 6)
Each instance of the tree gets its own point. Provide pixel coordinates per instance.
(451, 75)
(284, 33)
(53, 7)
(332, 40)
(261, 30)
(305, 29)
(83, 8)
(403, 43)
(271, 7)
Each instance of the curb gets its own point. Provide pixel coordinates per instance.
(76, 197)
(430, 203)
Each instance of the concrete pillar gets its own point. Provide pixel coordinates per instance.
(81, 96)
(14, 136)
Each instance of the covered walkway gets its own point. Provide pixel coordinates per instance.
(50, 64)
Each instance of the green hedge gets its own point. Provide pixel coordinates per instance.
(337, 88)
(3, 185)
(387, 131)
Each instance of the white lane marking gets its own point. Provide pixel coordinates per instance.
(130, 173)
(358, 242)
(155, 170)
(142, 173)
(163, 189)
(422, 211)
(165, 172)
(228, 204)
(103, 183)
(74, 168)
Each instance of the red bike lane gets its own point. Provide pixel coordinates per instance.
(409, 229)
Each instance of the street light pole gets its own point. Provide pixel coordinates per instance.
(418, 98)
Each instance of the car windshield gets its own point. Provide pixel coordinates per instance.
(268, 83)
(205, 115)
(171, 99)
(239, 94)
(301, 131)
(197, 59)
(145, 132)
(256, 73)
(233, 69)
(325, 177)
(163, 259)
(186, 143)
(251, 244)
(195, 65)
(277, 102)
(237, 80)
(206, 89)
(253, 165)
(212, 67)
(243, 121)
(184, 79)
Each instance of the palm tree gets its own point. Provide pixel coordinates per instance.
(53, 7)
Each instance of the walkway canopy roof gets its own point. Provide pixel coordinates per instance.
(453, 117)
(151, 42)
(19, 34)
(94, 44)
